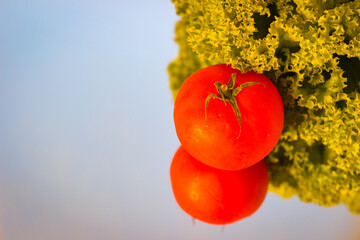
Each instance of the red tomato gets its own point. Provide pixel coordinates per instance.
(214, 195)
(216, 135)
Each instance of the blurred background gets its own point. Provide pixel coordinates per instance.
(87, 136)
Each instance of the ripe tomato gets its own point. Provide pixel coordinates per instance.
(228, 134)
(214, 195)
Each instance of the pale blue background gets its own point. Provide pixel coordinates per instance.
(86, 131)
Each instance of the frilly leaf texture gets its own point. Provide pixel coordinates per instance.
(311, 51)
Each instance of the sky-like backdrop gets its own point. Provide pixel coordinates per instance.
(87, 134)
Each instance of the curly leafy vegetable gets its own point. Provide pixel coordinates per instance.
(311, 50)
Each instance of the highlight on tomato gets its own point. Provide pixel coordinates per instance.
(214, 195)
(227, 119)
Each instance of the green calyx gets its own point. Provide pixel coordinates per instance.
(227, 93)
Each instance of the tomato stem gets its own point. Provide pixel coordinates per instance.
(227, 93)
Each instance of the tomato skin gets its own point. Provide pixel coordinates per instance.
(218, 140)
(217, 196)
